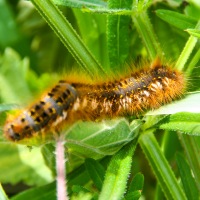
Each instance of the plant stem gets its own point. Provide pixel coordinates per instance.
(68, 36)
(187, 50)
(60, 168)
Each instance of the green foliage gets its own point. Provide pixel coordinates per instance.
(16, 165)
(187, 179)
(117, 173)
(118, 41)
(184, 122)
(99, 37)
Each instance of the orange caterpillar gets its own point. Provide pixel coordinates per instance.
(68, 102)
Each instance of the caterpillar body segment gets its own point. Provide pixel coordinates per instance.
(69, 101)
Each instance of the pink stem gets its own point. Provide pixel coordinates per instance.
(60, 168)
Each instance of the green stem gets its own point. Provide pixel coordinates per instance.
(160, 166)
(68, 36)
(187, 51)
(145, 29)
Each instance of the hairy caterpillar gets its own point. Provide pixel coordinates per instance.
(69, 101)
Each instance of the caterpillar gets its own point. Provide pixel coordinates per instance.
(70, 101)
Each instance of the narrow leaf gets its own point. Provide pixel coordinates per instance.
(176, 19)
(191, 146)
(78, 189)
(135, 187)
(118, 34)
(96, 172)
(68, 36)
(133, 195)
(81, 3)
(95, 6)
(137, 183)
(189, 185)
(117, 173)
(161, 168)
(184, 122)
(39, 193)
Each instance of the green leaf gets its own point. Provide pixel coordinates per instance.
(40, 193)
(133, 196)
(17, 166)
(82, 3)
(176, 19)
(192, 10)
(161, 168)
(8, 27)
(118, 34)
(96, 140)
(135, 187)
(184, 122)
(190, 103)
(137, 183)
(96, 172)
(47, 151)
(194, 32)
(78, 189)
(2, 194)
(14, 69)
(68, 36)
(117, 173)
(92, 29)
(191, 146)
(189, 185)
(83, 196)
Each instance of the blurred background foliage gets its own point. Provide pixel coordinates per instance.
(32, 58)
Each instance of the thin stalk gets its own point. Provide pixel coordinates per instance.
(68, 36)
(60, 169)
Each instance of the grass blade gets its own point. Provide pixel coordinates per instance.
(145, 29)
(117, 173)
(161, 168)
(176, 19)
(68, 36)
(187, 179)
(192, 148)
(96, 172)
(118, 34)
